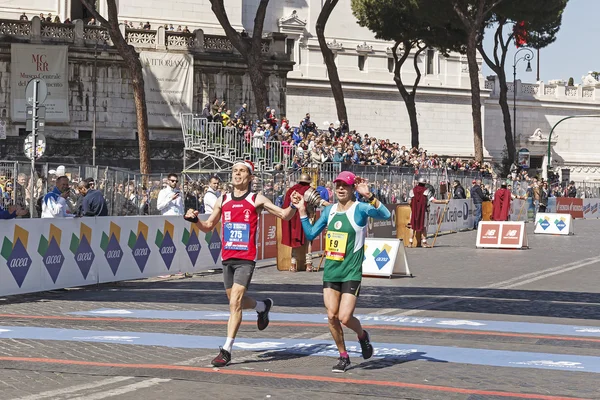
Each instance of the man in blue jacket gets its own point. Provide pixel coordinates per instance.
(93, 204)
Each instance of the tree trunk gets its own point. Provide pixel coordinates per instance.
(131, 58)
(258, 79)
(475, 95)
(503, 101)
(411, 107)
(334, 78)
(409, 98)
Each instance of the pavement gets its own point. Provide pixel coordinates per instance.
(472, 324)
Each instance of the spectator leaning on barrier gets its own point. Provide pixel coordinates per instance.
(544, 194)
(55, 204)
(169, 199)
(93, 203)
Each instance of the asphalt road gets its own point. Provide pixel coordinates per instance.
(471, 324)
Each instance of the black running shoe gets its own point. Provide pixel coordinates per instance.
(365, 346)
(263, 317)
(342, 364)
(223, 359)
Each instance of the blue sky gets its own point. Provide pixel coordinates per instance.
(573, 54)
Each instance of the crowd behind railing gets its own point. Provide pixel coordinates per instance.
(130, 193)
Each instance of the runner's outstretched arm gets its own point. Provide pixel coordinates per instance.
(285, 214)
(212, 221)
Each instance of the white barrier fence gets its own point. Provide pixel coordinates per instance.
(47, 254)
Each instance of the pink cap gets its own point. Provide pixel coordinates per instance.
(346, 177)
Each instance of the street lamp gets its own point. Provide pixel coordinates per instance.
(528, 56)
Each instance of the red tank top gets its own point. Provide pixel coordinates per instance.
(239, 228)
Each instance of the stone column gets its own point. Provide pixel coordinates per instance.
(78, 31)
(161, 38)
(199, 42)
(36, 30)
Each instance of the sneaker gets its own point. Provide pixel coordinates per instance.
(342, 365)
(263, 317)
(366, 346)
(223, 359)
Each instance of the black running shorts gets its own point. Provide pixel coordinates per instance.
(237, 271)
(351, 287)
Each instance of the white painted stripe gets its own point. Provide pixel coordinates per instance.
(122, 390)
(75, 388)
(508, 284)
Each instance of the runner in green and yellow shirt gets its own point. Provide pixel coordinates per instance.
(346, 223)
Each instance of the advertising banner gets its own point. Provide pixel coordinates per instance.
(590, 208)
(570, 205)
(501, 235)
(269, 242)
(383, 228)
(458, 215)
(48, 63)
(384, 257)
(168, 82)
(553, 224)
(47, 254)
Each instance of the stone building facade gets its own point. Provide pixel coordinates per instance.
(374, 104)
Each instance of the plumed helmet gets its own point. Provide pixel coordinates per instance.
(304, 178)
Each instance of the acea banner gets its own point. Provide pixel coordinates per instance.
(168, 82)
(46, 254)
(48, 63)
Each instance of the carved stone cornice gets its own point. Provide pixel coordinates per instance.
(335, 46)
(292, 25)
(364, 49)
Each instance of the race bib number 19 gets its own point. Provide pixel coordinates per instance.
(236, 236)
(335, 245)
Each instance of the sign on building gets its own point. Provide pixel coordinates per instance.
(49, 63)
(168, 82)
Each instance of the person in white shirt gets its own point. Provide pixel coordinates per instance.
(55, 204)
(211, 195)
(169, 200)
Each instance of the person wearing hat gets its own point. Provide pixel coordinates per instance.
(240, 211)
(419, 198)
(346, 223)
(292, 234)
(458, 192)
(501, 203)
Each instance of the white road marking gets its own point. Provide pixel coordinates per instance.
(122, 390)
(508, 284)
(75, 388)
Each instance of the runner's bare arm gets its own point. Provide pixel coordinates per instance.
(211, 222)
(285, 214)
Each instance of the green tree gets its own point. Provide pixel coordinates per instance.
(249, 48)
(132, 59)
(541, 20)
(329, 58)
(407, 25)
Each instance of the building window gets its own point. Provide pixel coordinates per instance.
(361, 62)
(84, 134)
(289, 48)
(430, 56)
(391, 64)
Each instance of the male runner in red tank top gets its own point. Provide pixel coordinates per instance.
(240, 212)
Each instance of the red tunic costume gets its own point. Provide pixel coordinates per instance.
(292, 234)
(418, 207)
(501, 204)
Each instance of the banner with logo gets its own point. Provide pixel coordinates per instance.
(384, 257)
(48, 63)
(570, 205)
(553, 224)
(457, 215)
(383, 228)
(590, 208)
(168, 83)
(501, 235)
(45, 254)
